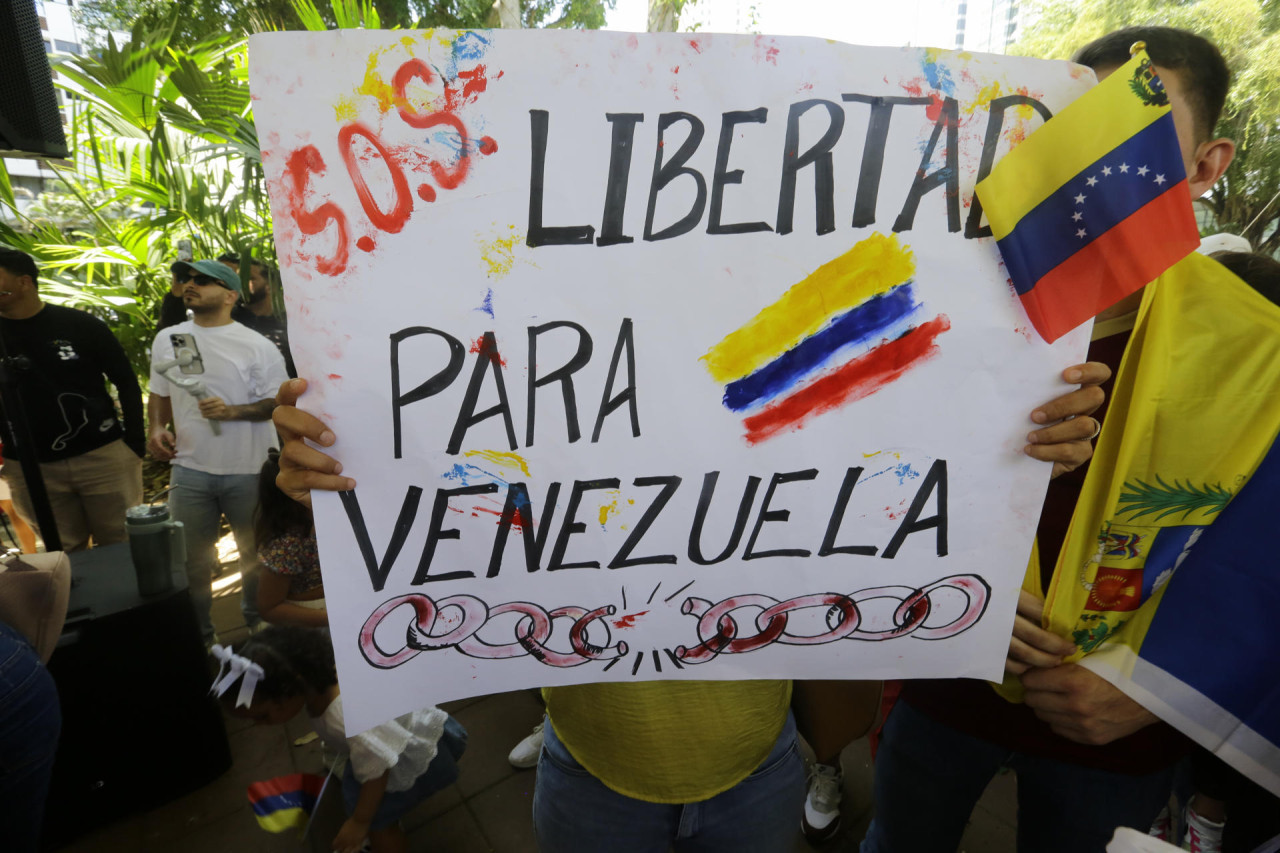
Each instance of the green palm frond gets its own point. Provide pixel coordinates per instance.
(1140, 499)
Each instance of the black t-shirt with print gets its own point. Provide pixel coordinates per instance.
(59, 358)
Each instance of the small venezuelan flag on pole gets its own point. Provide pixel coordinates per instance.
(285, 802)
(1093, 205)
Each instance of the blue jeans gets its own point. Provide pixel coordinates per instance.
(30, 720)
(929, 776)
(199, 501)
(573, 811)
(440, 774)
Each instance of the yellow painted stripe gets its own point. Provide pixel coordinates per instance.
(873, 266)
(1066, 145)
(502, 458)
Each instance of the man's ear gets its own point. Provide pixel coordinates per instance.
(1211, 161)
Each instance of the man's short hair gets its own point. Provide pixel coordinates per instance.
(229, 258)
(19, 263)
(1202, 70)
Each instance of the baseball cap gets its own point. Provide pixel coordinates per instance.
(225, 275)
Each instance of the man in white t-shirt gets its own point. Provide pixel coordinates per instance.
(214, 381)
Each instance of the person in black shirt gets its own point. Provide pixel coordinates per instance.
(260, 314)
(172, 311)
(91, 464)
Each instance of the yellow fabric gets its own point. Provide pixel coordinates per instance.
(670, 741)
(1073, 140)
(1191, 416)
(1196, 399)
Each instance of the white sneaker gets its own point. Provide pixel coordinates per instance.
(1203, 835)
(526, 753)
(821, 820)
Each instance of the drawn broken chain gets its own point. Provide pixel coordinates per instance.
(719, 630)
(532, 631)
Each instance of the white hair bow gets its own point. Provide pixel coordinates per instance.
(233, 667)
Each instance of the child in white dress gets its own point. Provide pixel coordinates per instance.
(391, 768)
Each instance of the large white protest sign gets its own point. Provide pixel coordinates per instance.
(656, 357)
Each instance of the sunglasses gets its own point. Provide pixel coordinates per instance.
(200, 280)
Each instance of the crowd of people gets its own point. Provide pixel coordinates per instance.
(620, 766)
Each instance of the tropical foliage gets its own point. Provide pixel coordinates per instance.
(1247, 200)
(164, 145)
(201, 18)
(164, 149)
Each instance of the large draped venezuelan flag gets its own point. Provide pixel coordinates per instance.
(1167, 581)
(1094, 204)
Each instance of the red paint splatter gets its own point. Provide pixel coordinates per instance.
(365, 244)
(696, 45)
(488, 145)
(335, 376)
(632, 41)
(857, 379)
(766, 50)
(628, 621)
(914, 88)
(934, 108)
(675, 69)
(299, 166)
(426, 192)
(482, 347)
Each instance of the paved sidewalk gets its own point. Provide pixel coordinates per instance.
(489, 809)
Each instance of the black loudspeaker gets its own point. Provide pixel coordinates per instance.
(139, 728)
(30, 123)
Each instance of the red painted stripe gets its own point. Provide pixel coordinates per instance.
(859, 378)
(1120, 262)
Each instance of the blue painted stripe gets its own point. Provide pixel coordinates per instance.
(865, 323)
(1047, 236)
(288, 800)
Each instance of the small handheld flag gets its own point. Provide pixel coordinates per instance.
(1094, 204)
(285, 802)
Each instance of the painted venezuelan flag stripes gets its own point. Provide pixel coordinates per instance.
(285, 802)
(857, 312)
(872, 267)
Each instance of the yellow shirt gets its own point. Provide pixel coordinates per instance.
(670, 741)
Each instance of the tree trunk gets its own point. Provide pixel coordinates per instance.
(664, 16)
(505, 14)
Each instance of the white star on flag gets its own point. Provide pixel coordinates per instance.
(1124, 168)
(1080, 199)
(1077, 216)
(1092, 181)
(1106, 171)
(1080, 233)
(1159, 179)
(1142, 170)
